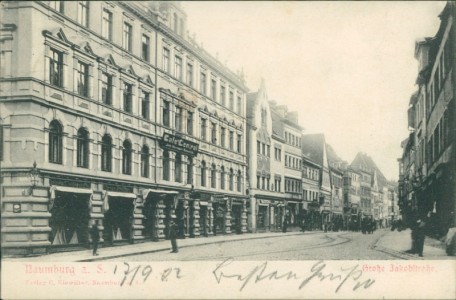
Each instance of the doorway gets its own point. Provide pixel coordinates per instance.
(118, 220)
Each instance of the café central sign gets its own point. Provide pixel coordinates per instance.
(178, 144)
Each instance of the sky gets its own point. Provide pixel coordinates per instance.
(348, 68)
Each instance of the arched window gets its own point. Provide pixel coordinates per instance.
(83, 148)
(178, 168)
(213, 176)
(203, 173)
(222, 178)
(126, 157)
(239, 180)
(55, 142)
(166, 165)
(145, 161)
(106, 153)
(231, 179)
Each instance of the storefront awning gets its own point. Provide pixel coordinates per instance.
(106, 196)
(147, 192)
(67, 189)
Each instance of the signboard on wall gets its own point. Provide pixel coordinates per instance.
(178, 144)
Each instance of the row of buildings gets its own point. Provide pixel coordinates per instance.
(111, 112)
(427, 182)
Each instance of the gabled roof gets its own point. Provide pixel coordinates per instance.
(363, 159)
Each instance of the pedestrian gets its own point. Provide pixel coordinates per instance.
(420, 236)
(173, 232)
(285, 225)
(95, 235)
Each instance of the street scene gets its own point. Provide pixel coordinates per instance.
(122, 135)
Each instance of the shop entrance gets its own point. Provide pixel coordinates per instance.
(118, 220)
(236, 220)
(150, 219)
(183, 221)
(69, 220)
(204, 220)
(262, 218)
(219, 218)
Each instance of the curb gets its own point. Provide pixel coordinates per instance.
(186, 246)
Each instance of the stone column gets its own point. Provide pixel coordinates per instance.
(228, 217)
(244, 217)
(160, 220)
(210, 219)
(195, 219)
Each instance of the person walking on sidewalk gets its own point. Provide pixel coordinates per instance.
(420, 235)
(285, 225)
(173, 233)
(95, 235)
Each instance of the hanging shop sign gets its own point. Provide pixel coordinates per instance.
(178, 144)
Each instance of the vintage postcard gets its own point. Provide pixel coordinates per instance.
(228, 149)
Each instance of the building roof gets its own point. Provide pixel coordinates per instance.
(368, 163)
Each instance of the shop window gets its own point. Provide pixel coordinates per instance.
(128, 98)
(82, 79)
(83, 148)
(213, 176)
(55, 142)
(56, 68)
(239, 181)
(106, 88)
(166, 163)
(145, 161)
(203, 173)
(106, 153)
(178, 168)
(190, 171)
(126, 157)
(222, 178)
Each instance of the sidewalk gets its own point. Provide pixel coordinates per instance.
(396, 243)
(146, 247)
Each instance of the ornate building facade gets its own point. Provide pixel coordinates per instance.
(111, 112)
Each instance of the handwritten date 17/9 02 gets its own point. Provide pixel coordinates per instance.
(130, 272)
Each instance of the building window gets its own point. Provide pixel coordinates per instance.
(239, 105)
(166, 162)
(145, 105)
(127, 98)
(231, 185)
(231, 140)
(222, 136)
(178, 118)
(203, 129)
(213, 133)
(203, 173)
(189, 122)
(239, 181)
(203, 83)
(56, 68)
(126, 157)
(58, 6)
(106, 153)
(83, 13)
(190, 171)
(82, 148)
(106, 88)
(258, 147)
(82, 77)
(55, 142)
(231, 100)
(166, 113)
(178, 67)
(106, 26)
(239, 143)
(145, 161)
(222, 178)
(127, 32)
(213, 176)
(222, 95)
(166, 60)
(178, 168)
(213, 88)
(190, 74)
(145, 47)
